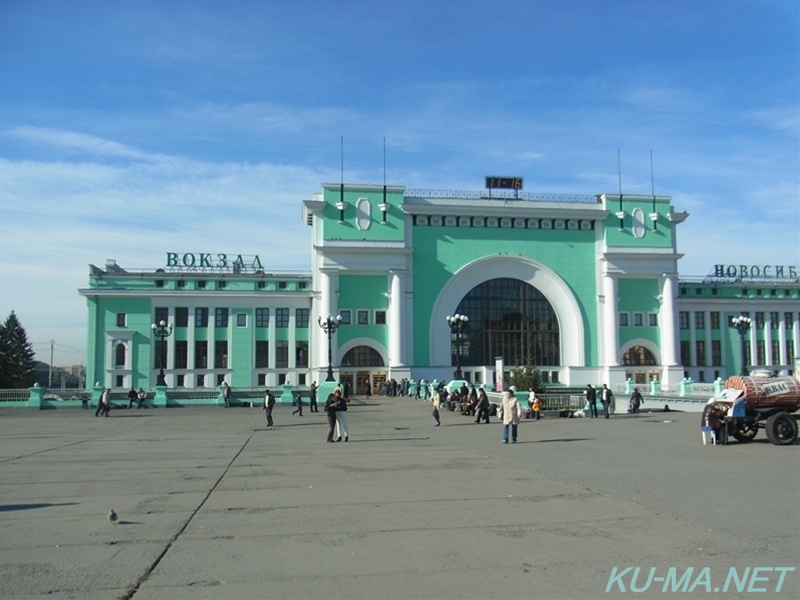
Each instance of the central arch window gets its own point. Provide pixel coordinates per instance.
(362, 356)
(638, 356)
(508, 318)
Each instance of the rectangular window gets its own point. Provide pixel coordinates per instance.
(775, 349)
(700, 353)
(220, 379)
(221, 354)
(683, 320)
(262, 379)
(701, 376)
(301, 379)
(282, 354)
(302, 285)
(262, 354)
(159, 283)
(759, 320)
(201, 284)
(262, 317)
(180, 379)
(181, 316)
(714, 318)
(380, 317)
(162, 314)
(638, 319)
(774, 320)
(787, 319)
(201, 381)
(652, 319)
(345, 314)
(686, 358)
(261, 285)
(301, 318)
(301, 354)
(180, 284)
(120, 381)
(221, 285)
(281, 378)
(200, 355)
(363, 317)
(201, 317)
(281, 285)
(789, 352)
(699, 320)
(623, 319)
(181, 354)
(122, 318)
(241, 320)
(282, 317)
(716, 353)
(761, 351)
(221, 317)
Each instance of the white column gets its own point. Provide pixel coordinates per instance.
(707, 336)
(692, 342)
(782, 358)
(396, 317)
(796, 319)
(768, 358)
(610, 322)
(669, 321)
(328, 284)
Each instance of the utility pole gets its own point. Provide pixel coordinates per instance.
(50, 374)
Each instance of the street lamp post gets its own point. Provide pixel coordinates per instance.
(458, 323)
(329, 325)
(162, 331)
(742, 325)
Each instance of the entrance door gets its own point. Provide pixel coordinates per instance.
(377, 380)
(362, 383)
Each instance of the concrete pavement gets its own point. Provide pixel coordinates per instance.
(212, 504)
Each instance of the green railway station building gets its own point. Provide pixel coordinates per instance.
(586, 288)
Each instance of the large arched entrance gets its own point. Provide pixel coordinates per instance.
(508, 318)
(362, 367)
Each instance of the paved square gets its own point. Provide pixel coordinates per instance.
(212, 504)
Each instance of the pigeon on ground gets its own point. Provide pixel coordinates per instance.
(112, 516)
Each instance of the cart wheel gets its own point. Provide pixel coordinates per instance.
(781, 429)
(745, 431)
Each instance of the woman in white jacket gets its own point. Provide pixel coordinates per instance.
(511, 413)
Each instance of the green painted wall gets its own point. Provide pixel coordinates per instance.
(440, 251)
(365, 292)
(392, 230)
(638, 296)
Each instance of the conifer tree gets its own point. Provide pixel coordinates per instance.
(16, 355)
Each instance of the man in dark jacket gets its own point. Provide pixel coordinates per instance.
(591, 398)
(482, 407)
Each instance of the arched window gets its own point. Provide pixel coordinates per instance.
(362, 356)
(638, 355)
(119, 355)
(508, 318)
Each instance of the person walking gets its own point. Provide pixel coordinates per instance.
(142, 396)
(331, 406)
(269, 404)
(510, 414)
(591, 399)
(605, 398)
(635, 401)
(298, 399)
(482, 406)
(102, 404)
(341, 421)
(226, 394)
(437, 403)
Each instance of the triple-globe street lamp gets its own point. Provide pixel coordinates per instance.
(329, 325)
(162, 331)
(458, 323)
(742, 325)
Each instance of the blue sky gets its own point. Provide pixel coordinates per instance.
(130, 129)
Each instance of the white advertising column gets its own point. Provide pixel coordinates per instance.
(396, 317)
